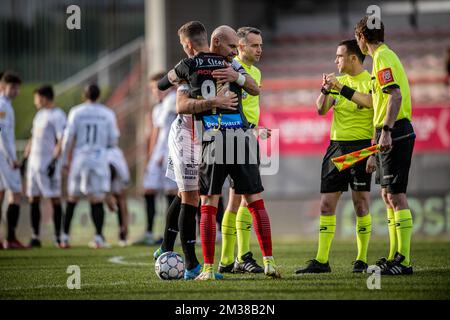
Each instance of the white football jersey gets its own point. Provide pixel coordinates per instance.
(48, 128)
(93, 126)
(166, 115)
(7, 125)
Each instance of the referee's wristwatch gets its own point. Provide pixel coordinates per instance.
(387, 128)
(325, 91)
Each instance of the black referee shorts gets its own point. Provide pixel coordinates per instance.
(393, 165)
(242, 165)
(356, 176)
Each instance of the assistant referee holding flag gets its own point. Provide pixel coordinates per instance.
(391, 101)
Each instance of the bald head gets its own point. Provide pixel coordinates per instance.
(224, 41)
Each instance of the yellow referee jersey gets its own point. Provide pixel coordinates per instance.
(250, 104)
(388, 71)
(350, 121)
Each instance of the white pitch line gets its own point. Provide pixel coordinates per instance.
(120, 260)
(83, 285)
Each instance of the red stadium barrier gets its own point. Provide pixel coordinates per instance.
(303, 132)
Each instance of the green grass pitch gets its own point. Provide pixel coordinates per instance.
(41, 274)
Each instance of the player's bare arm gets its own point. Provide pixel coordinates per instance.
(361, 99)
(230, 75)
(393, 107)
(187, 105)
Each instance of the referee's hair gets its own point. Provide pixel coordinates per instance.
(372, 35)
(10, 77)
(92, 92)
(353, 48)
(45, 91)
(243, 32)
(194, 31)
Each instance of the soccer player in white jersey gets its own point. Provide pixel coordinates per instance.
(92, 129)
(117, 200)
(155, 180)
(44, 169)
(9, 166)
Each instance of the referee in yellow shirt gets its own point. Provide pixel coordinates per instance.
(351, 130)
(391, 101)
(237, 219)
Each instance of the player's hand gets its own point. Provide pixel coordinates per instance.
(371, 164)
(228, 102)
(15, 164)
(51, 168)
(332, 81)
(264, 133)
(385, 141)
(227, 74)
(325, 84)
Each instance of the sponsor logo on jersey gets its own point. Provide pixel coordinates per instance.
(223, 122)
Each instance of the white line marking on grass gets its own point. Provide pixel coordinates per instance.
(120, 260)
(50, 286)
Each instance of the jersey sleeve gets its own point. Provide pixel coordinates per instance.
(113, 133)
(157, 116)
(59, 123)
(68, 136)
(179, 73)
(7, 135)
(385, 75)
(238, 67)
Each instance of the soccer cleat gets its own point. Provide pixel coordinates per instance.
(147, 240)
(248, 265)
(99, 243)
(226, 268)
(123, 243)
(270, 269)
(64, 241)
(359, 266)
(158, 252)
(13, 244)
(314, 266)
(207, 273)
(35, 243)
(383, 263)
(395, 268)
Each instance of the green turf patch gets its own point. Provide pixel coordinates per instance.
(128, 273)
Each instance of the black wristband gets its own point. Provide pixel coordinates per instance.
(347, 92)
(325, 91)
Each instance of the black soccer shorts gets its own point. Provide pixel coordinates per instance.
(242, 166)
(333, 180)
(393, 165)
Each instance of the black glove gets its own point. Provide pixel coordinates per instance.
(51, 168)
(23, 167)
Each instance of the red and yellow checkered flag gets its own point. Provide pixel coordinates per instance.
(347, 160)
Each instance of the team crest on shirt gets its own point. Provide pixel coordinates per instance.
(385, 76)
(244, 94)
(2, 114)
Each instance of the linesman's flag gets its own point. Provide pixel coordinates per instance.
(347, 160)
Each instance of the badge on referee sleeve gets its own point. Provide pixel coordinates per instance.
(385, 76)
